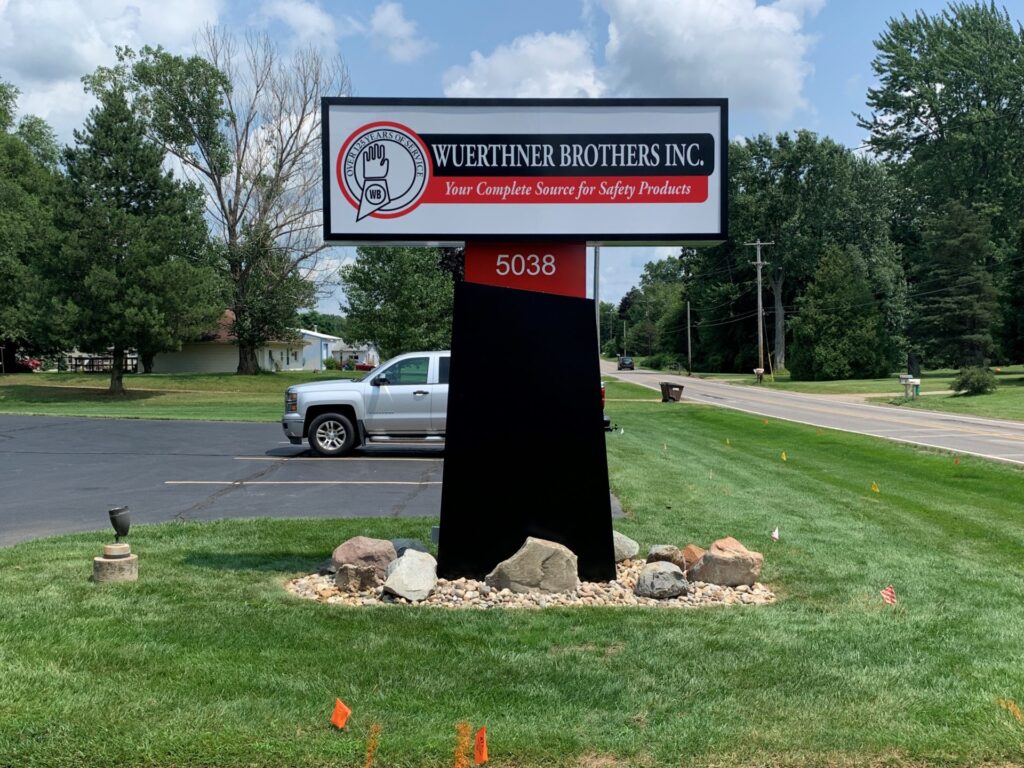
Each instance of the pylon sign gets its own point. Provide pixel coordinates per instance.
(443, 171)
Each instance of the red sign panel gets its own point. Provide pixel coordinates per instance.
(543, 267)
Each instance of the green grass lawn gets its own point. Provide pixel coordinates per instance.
(214, 397)
(207, 661)
(1007, 402)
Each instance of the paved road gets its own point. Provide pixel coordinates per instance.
(989, 438)
(62, 474)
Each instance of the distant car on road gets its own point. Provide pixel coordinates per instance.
(626, 364)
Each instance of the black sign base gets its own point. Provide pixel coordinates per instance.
(524, 446)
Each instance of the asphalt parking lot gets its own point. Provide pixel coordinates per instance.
(61, 475)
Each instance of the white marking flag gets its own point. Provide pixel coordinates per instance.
(775, 534)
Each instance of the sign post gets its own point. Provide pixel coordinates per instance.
(525, 185)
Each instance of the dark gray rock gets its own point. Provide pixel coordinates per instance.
(401, 545)
(663, 553)
(661, 580)
(538, 566)
(327, 567)
(412, 576)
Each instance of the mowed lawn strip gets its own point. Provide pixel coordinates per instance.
(1007, 402)
(212, 397)
(206, 660)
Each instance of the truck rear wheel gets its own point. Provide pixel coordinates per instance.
(331, 434)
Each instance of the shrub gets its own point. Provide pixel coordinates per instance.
(331, 364)
(663, 361)
(974, 381)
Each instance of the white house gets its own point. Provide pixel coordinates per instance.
(217, 352)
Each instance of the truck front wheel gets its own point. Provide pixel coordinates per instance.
(331, 434)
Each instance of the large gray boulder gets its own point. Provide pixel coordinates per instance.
(625, 547)
(538, 566)
(412, 576)
(661, 580)
(728, 563)
(362, 550)
(666, 553)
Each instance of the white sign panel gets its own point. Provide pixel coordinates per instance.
(604, 171)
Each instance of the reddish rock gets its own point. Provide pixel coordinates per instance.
(691, 554)
(364, 551)
(728, 563)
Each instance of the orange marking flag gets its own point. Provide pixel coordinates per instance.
(340, 715)
(480, 747)
(889, 595)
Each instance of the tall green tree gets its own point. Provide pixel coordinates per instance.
(955, 313)
(839, 331)
(948, 116)
(244, 121)
(135, 267)
(399, 299)
(27, 232)
(802, 193)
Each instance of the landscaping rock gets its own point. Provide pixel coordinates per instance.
(663, 553)
(538, 566)
(355, 578)
(327, 567)
(728, 563)
(661, 580)
(691, 554)
(362, 550)
(401, 545)
(625, 547)
(412, 576)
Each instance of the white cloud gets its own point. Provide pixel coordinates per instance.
(756, 55)
(533, 66)
(309, 24)
(389, 29)
(47, 45)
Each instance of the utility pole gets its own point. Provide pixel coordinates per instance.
(760, 311)
(689, 353)
(623, 338)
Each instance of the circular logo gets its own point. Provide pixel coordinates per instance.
(382, 170)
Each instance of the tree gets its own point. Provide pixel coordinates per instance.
(399, 299)
(804, 194)
(134, 269)
(955, 313)
(245, 124)
(27, 233)
(948, 116)
(332, 325)
(839, 330)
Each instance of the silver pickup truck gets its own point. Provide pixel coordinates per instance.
(402, 400)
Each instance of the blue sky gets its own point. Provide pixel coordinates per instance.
(784, 64)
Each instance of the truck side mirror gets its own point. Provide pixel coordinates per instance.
(378, 380)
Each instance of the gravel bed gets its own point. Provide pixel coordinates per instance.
(473, 594)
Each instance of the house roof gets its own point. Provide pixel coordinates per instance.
(317, 334)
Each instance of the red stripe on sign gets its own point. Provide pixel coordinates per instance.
(496, 190)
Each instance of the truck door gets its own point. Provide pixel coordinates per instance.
(439, 400)
(401, 403)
